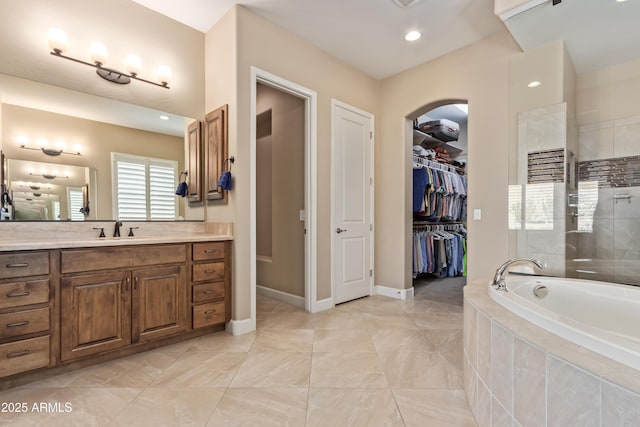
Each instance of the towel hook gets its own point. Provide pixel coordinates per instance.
(185, 173)
(231, 161)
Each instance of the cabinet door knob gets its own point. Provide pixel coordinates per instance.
(136, 283)
(128, 284)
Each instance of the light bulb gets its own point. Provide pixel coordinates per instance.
(412, 36)
(134, 64)
(99, 54)
(43, 142)
(58, 41)
(164, 75)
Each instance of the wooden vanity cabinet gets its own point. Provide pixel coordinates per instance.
(74, 307)
(96, 315)
(109, 310)
(25, 312)
(211, 283)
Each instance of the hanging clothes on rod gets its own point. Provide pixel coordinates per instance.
(439, 193)
(439, 249)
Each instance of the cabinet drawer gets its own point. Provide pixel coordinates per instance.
(24, 322)
(208, 291)
(209, 271)
(25, 355)
(23, 293)
(208, 314)
(208, 251)
(73, 261)
(22, 264)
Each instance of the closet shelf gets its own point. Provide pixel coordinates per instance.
(429, 142)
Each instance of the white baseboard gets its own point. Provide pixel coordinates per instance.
(324, 304)
(294, 300)
(393, 292)
(240, 327)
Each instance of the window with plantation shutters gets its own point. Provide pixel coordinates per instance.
(75, 203)
(143, 188)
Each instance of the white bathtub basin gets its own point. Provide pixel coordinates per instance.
(600, 316)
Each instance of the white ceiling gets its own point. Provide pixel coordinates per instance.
(368, 34)
(597, 33)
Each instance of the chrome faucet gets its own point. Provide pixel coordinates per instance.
(116, 231)
(498, 279)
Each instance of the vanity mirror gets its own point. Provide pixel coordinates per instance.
(124, 158)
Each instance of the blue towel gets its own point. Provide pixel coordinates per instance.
(225, 181)
(182, 189)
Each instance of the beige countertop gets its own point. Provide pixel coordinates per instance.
(60, 243)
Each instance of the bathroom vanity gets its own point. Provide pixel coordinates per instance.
(79, 303)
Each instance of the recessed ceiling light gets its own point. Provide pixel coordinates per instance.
(534, 83)
(412, 36)
(164, 117)
(621, 1)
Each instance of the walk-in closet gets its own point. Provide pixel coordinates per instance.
(439, 206)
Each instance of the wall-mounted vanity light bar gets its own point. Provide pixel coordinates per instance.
(59, 43)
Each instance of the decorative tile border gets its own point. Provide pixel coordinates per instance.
(545, 166)
(611, 173)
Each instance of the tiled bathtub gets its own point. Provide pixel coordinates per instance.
(517, 374)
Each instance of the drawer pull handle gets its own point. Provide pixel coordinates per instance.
(18, 265)
(18, 294)
(18, 354)
(209, 251)
(17, 324)
(209, 312)
(208, 292)
(210, 271)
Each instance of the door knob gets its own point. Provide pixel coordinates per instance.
(340, 230)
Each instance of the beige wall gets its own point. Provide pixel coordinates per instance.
(285, 270)
(480, 74)
(98, 141)
(610, 93)
(269, 47)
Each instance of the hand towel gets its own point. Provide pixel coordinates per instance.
(182, 189)
(225, 181)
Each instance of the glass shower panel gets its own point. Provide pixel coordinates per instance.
(609, 201)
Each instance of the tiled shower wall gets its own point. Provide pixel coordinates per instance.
(611, 250)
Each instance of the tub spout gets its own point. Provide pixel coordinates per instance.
(498, 278)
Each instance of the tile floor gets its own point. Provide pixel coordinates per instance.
(372, 362)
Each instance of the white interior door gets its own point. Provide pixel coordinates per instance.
(352, 142)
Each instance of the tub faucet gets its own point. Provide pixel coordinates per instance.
(498, 279)
(116, 231)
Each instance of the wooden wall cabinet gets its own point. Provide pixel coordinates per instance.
(194, 162)
(216, 149)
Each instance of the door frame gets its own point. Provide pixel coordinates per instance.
(310, 99)
(336, 103)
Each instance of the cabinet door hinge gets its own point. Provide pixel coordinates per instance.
(370, 227)
(370, 134)
(370, 273)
